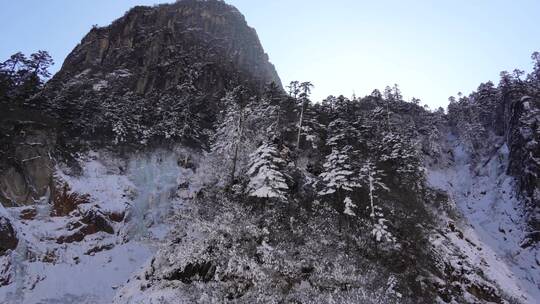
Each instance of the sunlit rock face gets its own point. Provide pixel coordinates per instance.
(157, 48)
(172, 60)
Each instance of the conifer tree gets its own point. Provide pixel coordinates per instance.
(305, 89)
(372, 178)
(274, 97)
(338, 173)
(399, 152)
(21, 77)
(294, 89)
(266, 179)
(534, 76)
(232, 138)
(376, 94)
(312, 128)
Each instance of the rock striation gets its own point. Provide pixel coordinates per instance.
(158, 48)
(128, 82)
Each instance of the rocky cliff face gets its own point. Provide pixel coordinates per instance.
(378, 200)
(174, 60)
(26, 166)
(159, 48)
(156, 64)
(507, 115)
(523, 138)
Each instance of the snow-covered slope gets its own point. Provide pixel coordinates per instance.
(52, 265)
(492, 225)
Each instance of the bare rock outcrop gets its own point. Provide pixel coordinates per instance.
(26, 167)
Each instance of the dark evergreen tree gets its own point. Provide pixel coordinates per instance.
(305, 91)
(22, 77)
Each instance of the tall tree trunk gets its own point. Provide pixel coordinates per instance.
(340, 211)
(278, 133)
(237, 144)
(235, 156)
(388, 115)
(371, 188)
(300, 127)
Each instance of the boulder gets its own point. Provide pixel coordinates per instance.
(8, 236)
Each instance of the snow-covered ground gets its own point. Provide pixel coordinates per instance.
(44, 271)
(493, 226)
(149, 187)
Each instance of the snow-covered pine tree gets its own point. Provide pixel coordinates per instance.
(264, 119)
(387, 94)
(266, 179)
(177, 115)
(400, 154)
(338, 173)
(232, 140)
(168, 124)
(464, 117)
(511, 88)
(338, 176)
(288, 120)
(339, 180)
(486, 100)
(305, 89)
(533, 79)
(349, 207)
(372, 178)
(274, 97)
(312, 129)
(392, 93)
(129, 119)
(397, 93)
(341, 134)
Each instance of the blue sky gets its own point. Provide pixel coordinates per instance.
(432, 49)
